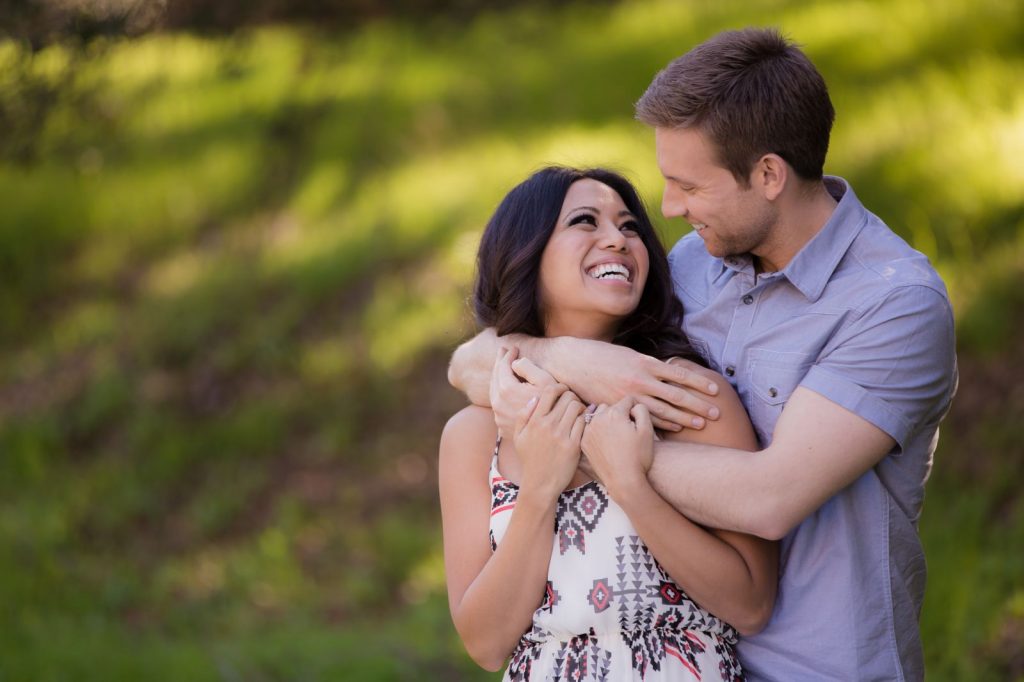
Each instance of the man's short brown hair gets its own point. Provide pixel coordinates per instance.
(752, 92)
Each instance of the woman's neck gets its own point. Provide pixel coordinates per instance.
(581, 328)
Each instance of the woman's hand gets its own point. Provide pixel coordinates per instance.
(619, 444)
(547, 439)
(514, 380)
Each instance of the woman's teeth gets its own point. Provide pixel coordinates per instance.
(610, 271)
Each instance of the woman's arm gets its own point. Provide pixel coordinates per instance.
(492, 596)
(732, 575)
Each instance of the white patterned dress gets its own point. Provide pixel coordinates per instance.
(609, 611)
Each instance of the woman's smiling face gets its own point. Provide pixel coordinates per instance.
(594, 267)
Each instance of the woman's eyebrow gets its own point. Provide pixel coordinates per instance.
(581, 209)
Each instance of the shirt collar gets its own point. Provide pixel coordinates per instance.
(813, 265)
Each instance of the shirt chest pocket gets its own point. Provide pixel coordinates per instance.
(771, 379)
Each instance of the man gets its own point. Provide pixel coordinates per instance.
(836, 334)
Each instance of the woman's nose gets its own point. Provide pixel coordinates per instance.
(612, 238)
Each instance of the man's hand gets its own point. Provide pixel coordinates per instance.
(597, 372)
(605, 373)
(514, 381)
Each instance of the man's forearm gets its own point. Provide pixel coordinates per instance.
(472, 363)
(717, 487)
(470, 368)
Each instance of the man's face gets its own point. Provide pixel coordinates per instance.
(730, 218)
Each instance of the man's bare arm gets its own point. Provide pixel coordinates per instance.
(819, 448)
(598, 372)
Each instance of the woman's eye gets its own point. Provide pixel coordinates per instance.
(583, 218)
(630, 226)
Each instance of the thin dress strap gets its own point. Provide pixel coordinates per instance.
(494, 457)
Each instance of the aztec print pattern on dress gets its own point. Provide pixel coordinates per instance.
(579, 511)
(653, 634)
(503, 494)
(526, 654)
(579, 658)
(608, 611)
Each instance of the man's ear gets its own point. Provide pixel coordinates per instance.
(770, 175)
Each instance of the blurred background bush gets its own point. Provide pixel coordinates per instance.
(235, 245)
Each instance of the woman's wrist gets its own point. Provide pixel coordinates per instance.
(540, 497)
(629, 486)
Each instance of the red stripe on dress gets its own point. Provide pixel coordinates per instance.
(674, 652)
(502, 508)
(694, 638)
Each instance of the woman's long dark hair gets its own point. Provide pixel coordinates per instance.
(506, 297)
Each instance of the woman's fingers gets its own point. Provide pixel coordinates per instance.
(622, 408)
(578, 426)
(549, 397)
(525, 368)
(525, 414)
(570, 412)
(641, 417)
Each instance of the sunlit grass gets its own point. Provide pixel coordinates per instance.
(226, 259)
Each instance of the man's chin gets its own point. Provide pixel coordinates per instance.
(715, 249)
(719, 250)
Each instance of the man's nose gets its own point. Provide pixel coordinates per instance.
(673, 203)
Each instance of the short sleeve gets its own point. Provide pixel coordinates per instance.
(894, 364)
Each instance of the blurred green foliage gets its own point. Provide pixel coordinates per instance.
(233, 268)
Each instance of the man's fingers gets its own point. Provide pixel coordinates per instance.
(663, 425)
(684, 400)
(682, 375)
(668, 417)
(531, 373)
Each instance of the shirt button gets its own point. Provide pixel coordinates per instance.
(730, 370)
(773, 391)
(748, 299)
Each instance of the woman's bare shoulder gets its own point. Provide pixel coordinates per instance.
(469, 433)
(732, 428)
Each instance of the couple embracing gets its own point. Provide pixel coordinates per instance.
(708, 464)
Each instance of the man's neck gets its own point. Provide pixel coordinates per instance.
(803, 211)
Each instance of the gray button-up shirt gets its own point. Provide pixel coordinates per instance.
(864, 320)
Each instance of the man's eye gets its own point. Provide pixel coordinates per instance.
(584, 218)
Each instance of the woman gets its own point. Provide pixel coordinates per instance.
(625, 587)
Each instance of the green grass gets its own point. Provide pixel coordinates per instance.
(233, 268)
